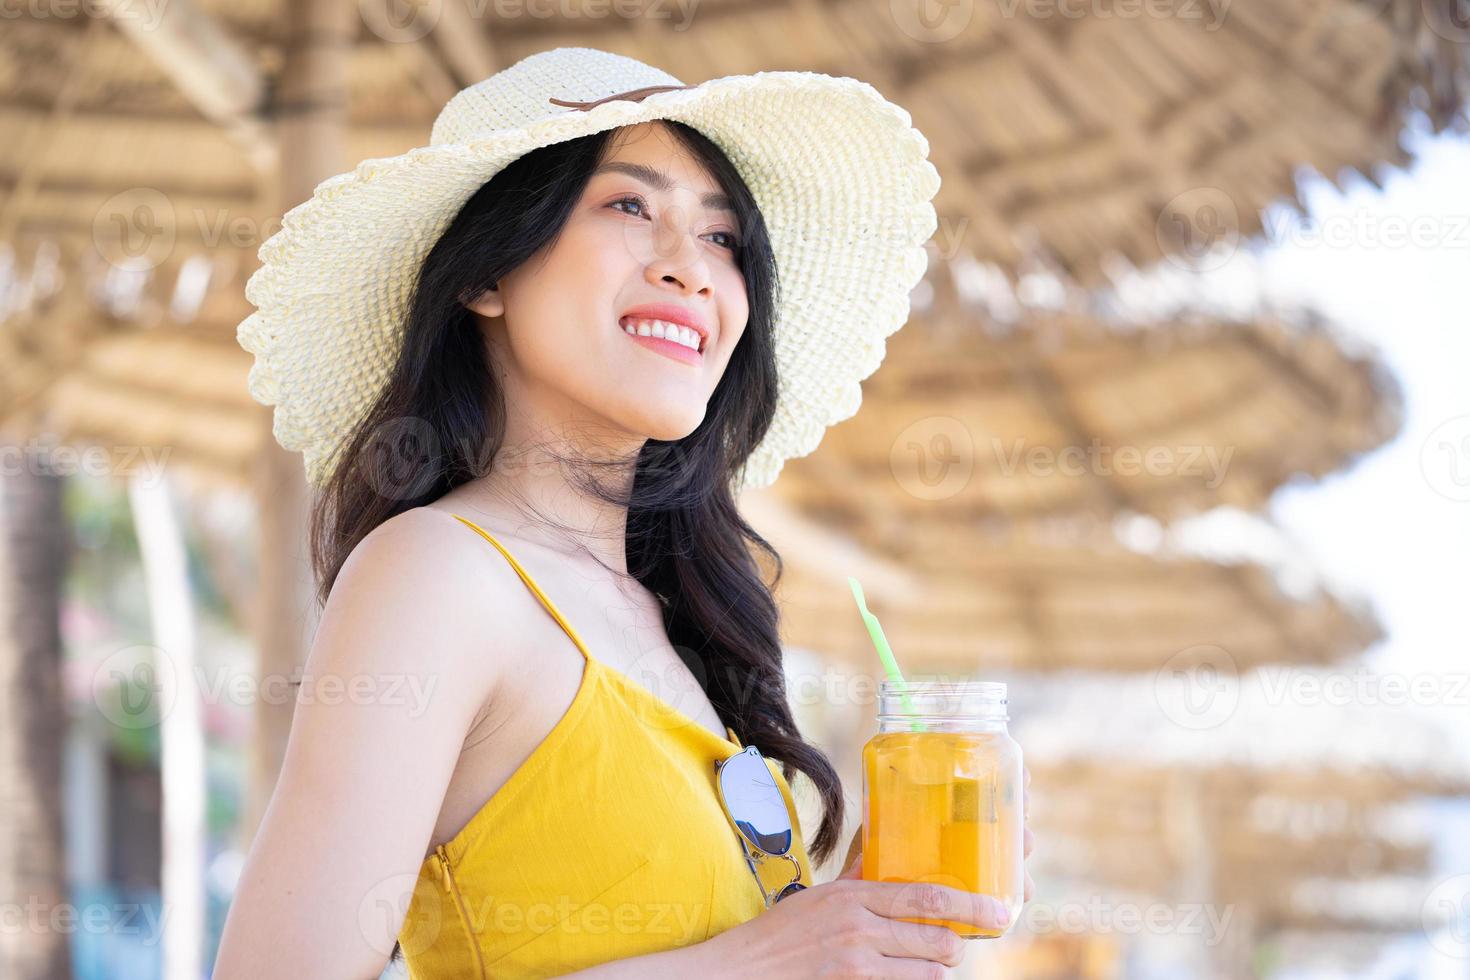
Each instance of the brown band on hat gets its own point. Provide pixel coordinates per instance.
(632, 95)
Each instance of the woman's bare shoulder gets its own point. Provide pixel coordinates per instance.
(431, 567)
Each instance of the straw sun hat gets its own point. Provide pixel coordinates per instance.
(841, 178)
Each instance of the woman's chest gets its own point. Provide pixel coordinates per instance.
(542, 683)
(616, 848)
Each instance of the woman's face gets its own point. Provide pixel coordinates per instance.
(649, 232)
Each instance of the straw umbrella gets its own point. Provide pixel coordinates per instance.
(1067, 414)
(1279, 791)
(1345, 733)
(1073, 141)
(968, 602)
(1061, 132)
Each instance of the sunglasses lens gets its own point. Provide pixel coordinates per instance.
(790, 889)
(755, 802)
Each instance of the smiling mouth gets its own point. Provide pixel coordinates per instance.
(686, 337)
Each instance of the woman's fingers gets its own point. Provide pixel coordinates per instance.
(1030, 842)
(919, 940)
(1026, 895)
(930, 900)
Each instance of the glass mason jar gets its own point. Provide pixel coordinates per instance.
(942, 794)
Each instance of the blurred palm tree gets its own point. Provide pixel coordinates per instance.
(33, 718)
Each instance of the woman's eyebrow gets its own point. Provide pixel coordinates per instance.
(659, 180)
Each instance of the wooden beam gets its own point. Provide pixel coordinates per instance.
(387, 130)
(312, 138)
(465, 41)
(209, 67)
(28, 179)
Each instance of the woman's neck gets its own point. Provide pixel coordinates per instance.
(529, 494)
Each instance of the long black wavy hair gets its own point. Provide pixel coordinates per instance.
(433, 428)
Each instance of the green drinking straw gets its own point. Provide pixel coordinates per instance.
(885, 653)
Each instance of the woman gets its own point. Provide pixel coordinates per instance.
(529, 368)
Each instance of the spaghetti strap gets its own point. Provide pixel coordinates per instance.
(535, 589)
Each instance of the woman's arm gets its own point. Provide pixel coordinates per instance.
(404, 658)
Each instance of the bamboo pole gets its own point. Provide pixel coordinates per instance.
(312, 136)
(171, 610)
(33, 723)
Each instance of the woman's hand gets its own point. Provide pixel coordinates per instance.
(847, 927)
(852, 928)
(855, 849)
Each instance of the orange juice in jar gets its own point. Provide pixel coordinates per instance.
(942, 794)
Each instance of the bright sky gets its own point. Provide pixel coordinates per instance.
(1391, 269)
(1390, 526)
(1395, 527)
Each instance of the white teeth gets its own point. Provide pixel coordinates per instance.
(668, 331)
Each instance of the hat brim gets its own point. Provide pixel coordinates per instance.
(840, 175)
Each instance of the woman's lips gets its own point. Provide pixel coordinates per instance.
(669, 348)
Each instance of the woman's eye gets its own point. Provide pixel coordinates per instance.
(628, 200)
(731, 242)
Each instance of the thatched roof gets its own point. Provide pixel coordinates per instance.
(137, 155)
(137, 151)
(1338, 734)
(976, 604)
(1065, 414)
(1058, 133)
(1084, 841)
(1276, 809)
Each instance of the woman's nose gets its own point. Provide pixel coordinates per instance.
(685, 265)
(678, 256)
